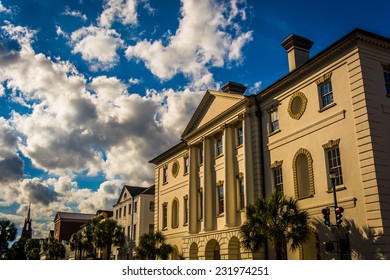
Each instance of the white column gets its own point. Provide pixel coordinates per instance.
(193, 190)
(230, 177)
(209, 186)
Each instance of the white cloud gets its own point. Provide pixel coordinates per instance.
(21, 34)
(201, 41)
(98, 46)
(4, 9)
(123, 11)
(255, 88)
(76, 14)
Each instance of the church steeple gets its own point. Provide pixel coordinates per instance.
(27, 230)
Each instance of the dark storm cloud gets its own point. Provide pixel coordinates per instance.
(11, 169)
(38, 193)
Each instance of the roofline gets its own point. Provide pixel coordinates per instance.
(341, 44)
(168, 153)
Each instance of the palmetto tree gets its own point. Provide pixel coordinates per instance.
(7, 233)
(76, 243)
(107, 233)
(152, 246)
(276, 220)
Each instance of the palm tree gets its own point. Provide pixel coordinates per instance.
(107, 233)
(152, 246)
(276, 220)
(76, 243)
(7, 233)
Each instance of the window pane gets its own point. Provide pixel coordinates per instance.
(334, 164)
(326, 93)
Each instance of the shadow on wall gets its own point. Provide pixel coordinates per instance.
(365, 243)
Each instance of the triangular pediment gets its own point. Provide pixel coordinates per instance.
(213, 104)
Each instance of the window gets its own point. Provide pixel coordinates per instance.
(135, 207)
(387, 82)
(164, 215)
(116, 214)
(334, 164)
(220, 199)
(185, 203)
(151, 206)
(165, 174)
(200, 153)
(240, 136)
(326, 93)
(124, 211)
(274, 119)
(278, 179)
(200, 204)
(241, 194)
(219, 146)
(303, 174)
(151, 227)
(134, 232)
(128, 233)
(186, 164)
(129, 208)
(175, 213)
(120, 213)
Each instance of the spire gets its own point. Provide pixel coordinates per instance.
(27, 231)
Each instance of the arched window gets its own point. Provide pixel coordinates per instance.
(234, 249)
(194, 251)
(303, 174)
(213, 251)
(175, 213)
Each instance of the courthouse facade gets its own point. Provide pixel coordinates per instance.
(329, 114)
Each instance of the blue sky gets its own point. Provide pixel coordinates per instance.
(91, 90)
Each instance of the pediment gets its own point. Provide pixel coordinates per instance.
(213, 104)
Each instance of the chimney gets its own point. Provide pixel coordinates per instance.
(232, 87)
(297, 48)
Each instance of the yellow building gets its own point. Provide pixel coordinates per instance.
(329, 114)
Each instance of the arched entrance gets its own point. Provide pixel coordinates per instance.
(234, 249)
(194, 251)
(213, 251)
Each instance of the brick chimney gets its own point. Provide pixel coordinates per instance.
(232, 87)
(297, 48)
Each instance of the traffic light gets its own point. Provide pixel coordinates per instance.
(339, 211)
(326, 213)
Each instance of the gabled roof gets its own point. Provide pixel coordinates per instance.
(73, 216)
(134, 191)
(212, 105)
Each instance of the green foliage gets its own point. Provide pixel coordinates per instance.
(277, 221)
(152, 246)
(8, 233)
(32, 248)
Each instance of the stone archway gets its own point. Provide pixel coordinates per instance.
(194, 251)
(212, 250)
(234, 249)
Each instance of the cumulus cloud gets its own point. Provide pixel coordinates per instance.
(201, 41)
(97, 45)
(123, 11)
(38, 192)
(76, 14)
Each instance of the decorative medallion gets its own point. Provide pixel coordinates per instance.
(297, 105)
(175, 168)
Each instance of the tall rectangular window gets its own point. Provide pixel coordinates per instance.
(200, 153)
(241, 194)
(151, 227)
(326, 93)
(387, 81)
(134, 232)
(219, 146)
(240, 136)
(186, 164)
(129, 208)
(165, 215)
(151, 206)
(334, 164)
(124, 211)
(278, 179)
(221, 198)
(116, 214)
(165, 174)
(128, 233)
(120, 213)
(274, 119)
(185, 200)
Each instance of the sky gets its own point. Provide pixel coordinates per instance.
(91, 90)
